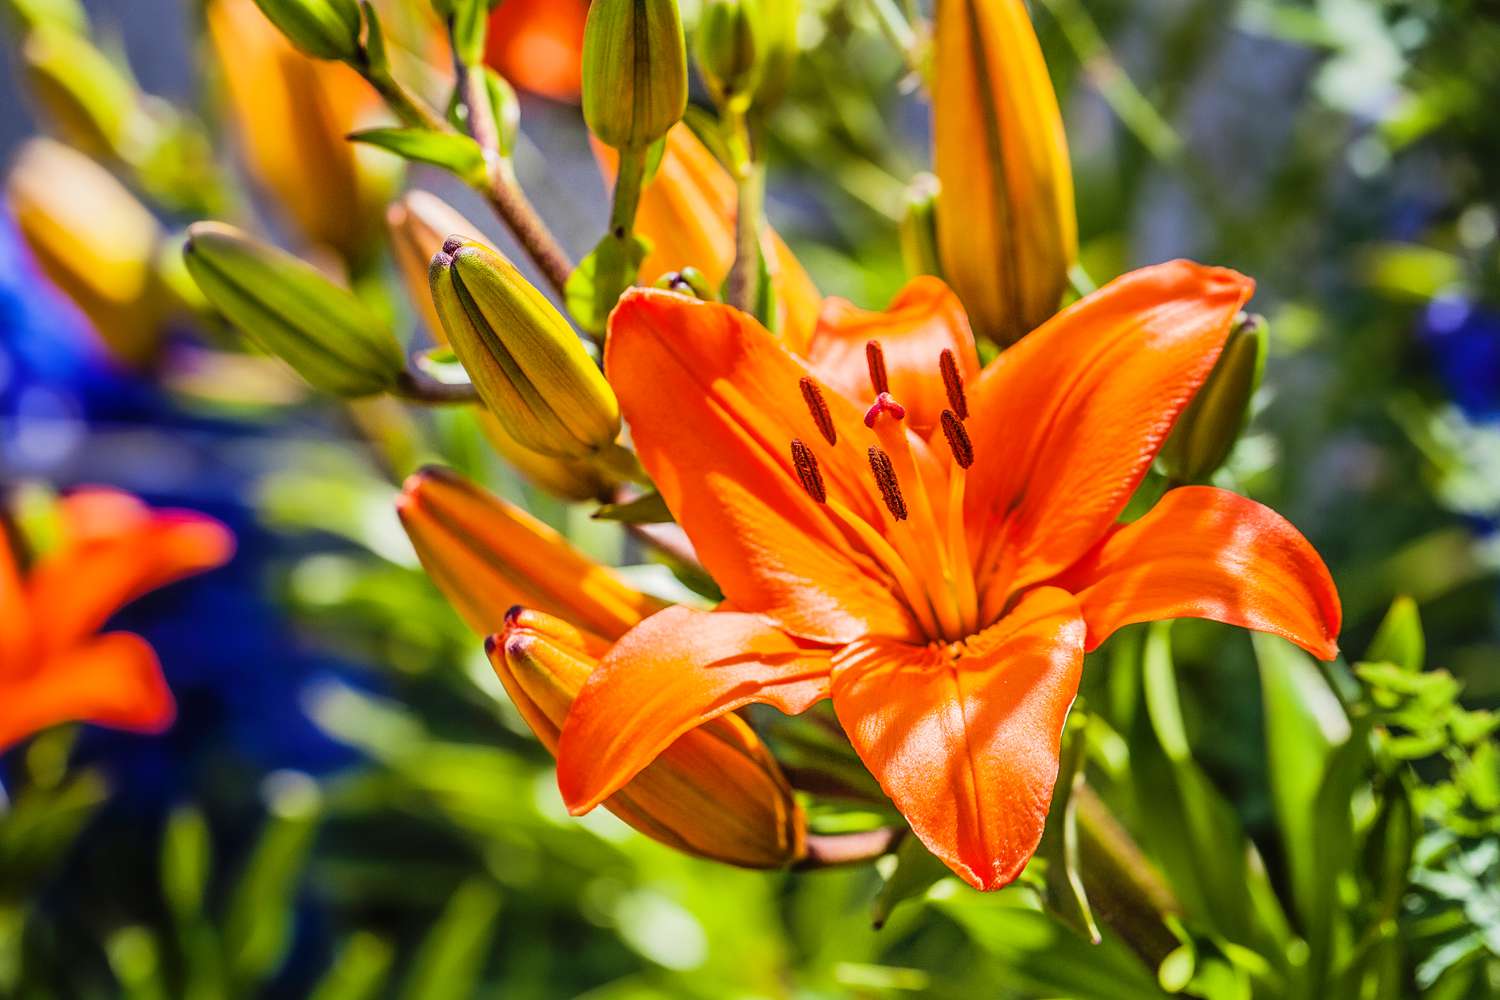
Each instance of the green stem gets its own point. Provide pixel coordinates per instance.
(419, 387)
(411, 109)
(1123, 887)
(742, 289)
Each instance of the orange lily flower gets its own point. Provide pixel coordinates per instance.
(941, 586)
(687, 211)
(538, 46)
(53, 667)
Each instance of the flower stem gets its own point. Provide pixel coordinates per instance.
(830, 850)
(742, 289)
(419, 387)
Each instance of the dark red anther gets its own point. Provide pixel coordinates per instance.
(954, 383)
(875, 358)
(806, 464)
(884, 403)
(885, 478)
(958, 440)
(818, 407)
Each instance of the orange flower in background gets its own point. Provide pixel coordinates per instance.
(292, 113)
(54, 668)
(538, 45)
(941, 586)
(688, 212)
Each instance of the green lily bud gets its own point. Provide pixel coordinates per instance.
(324, 29)
(688, 281)
(85, 97)
(1212, 423)
(776, 45)
(634, 71)
(289, 308)
(919, 250)
(526, 362)
(728, 49)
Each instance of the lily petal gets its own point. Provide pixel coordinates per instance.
(15, 620)
(116, 550)
(670, 674)
(1067, 422)
(967, 747)
(713, 403)
(1208, 553)
(112, 680)
(923, 320)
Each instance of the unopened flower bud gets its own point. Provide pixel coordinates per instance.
(94, 241)
(84, 97)
(1210, 426)
(568, 478)
(634, 71)
(715, 793)
(1006, 226)
(487, 555)
(525, 361)
(688, 281)
(419, 222)
(727, 49)
(291, 310)
(919, 250)
(324, 29)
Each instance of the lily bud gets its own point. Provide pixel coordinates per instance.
(291, 114)
(290, 309)
(526, 362)
(487, 556)
(1007, 232)
(568, 478)
(634, 71)
(324, 29)
(83, 95)
(1210, 426)
(727, 50)
(94, 241)
(715, 793)
(919, 249)
(688, 281)
(419, 223)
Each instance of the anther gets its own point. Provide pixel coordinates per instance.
(884, 403)
(954, 383)
(806, 464)
(875, 359)
(958, 440)
(885, 478)
(818, 407)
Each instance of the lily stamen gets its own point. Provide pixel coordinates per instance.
(808, 473)
(885, 479)
(958, 439)
(875, 359)
(818, 407)
(953, 382)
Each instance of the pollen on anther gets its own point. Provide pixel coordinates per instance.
(954, 383)
(958, 440)
(885, 478)
(818, 407)
(808, 473)
(875, 359)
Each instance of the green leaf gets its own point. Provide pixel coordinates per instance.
(1036, 955)
(451, 958)
(1059, 845)
(599, 280)
(257, 927)
(1400, 639)
(455, 153)
(649, 508)
(186, 859)
(360, 971)
(916, 871)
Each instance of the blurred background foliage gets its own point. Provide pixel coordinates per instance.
(349, 807)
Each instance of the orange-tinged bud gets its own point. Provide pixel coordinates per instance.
(419, 222)
(687, 211)
(94, 241)
(487, 556)
(1007, 232)
(292, 113)
(715, 793)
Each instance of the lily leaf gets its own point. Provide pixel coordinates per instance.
(599, 280)
(1400, 639)
(649, 508)
(916, 871)
(456, 153)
